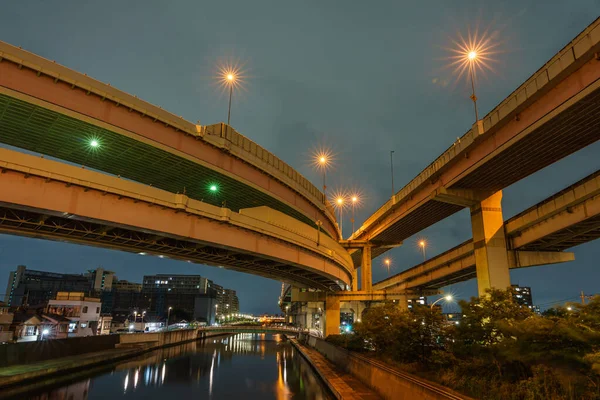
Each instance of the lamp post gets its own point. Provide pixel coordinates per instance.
(387, 263)
(354, 201)
(447, 298)
(322, 161)
(230, 80)
(422, 245)
(340, 203)
(472, 57)
(168, 317)
(392, 169)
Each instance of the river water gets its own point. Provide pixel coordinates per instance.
(241, 366)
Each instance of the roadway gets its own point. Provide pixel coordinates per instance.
(49, 109)
(552, 114)
(48, 199)
(536, 236)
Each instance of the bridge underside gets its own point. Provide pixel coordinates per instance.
(67, 138)
(582, 232)
(68, 228)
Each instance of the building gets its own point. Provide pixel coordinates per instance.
(522, 295)
(100, 279)
(175, 284)
(29, 287)
(230, 302)
(120, 285)
(6, 319)
(83, 312)
(205, 309)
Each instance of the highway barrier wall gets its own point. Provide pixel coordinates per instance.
(32, 352)
(389, 383)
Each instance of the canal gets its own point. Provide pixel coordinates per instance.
(241, 366)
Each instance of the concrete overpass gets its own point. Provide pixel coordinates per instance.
(248, 329)
(537, 236)
(52, 110)
(551, 115)
(48, 199)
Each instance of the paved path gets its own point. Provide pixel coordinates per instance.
(344, 385)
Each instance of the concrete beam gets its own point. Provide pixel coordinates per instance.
(524, 259)
(459, 197)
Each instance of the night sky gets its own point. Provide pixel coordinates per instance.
(362, 78)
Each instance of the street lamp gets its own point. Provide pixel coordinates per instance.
(472, 59)
(322, 160)
(387, 263)
(354, 202)
(447, 298)
(168, 317)
(230, 79)
(339, 201)
(422, 244)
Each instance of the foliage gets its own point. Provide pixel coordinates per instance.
(500, 349)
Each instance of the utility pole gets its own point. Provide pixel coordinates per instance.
(392, 169)
(584, 296)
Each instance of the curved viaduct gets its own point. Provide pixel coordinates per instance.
(47, 199)
(49, 109)
(165, 186)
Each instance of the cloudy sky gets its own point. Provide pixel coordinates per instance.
(362, 78)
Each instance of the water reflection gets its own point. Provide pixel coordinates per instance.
(249, 366)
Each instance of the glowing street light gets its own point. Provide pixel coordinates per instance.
(387, 263)
(448, 298)
(322, 160)
(339, 202)
(354, 199)
(475, 51)
(422, 244)
(472, 57)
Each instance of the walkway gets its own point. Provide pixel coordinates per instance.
(343, 385)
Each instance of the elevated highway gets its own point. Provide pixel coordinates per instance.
(537, 236)
(49, 109)
(551, 115)
(48, 199)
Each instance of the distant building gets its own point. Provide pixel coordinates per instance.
(29, 287)
(175, 284)
(417, 301)
(126, 286)
(82, 311)
(231, 302)
(522, 295)
(100, 279)
(6, 319)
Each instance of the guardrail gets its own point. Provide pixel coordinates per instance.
(575, 53)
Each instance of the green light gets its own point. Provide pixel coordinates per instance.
(94, 143)
(213, 188)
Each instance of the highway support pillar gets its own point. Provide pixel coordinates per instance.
(332, 316)
(491, 258)
(354, 285)
(366, 274)
(403, 303)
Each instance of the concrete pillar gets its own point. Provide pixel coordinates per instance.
(491, 257)
(332, 316)
(366, 277)
(403, 303)
(354, 280)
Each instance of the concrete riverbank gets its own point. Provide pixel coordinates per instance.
(32, 371)
(386, 381)
(341, 384)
